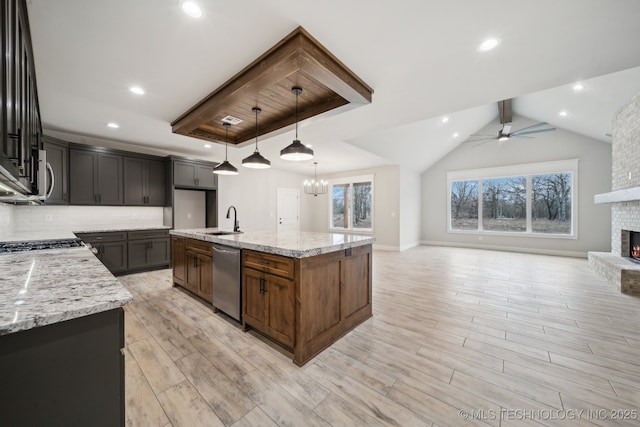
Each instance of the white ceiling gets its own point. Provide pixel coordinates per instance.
(418, 55)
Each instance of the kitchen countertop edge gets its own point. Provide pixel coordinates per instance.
(263, 241)
(81, 286)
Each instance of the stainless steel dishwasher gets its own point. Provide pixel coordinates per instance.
(227, 280)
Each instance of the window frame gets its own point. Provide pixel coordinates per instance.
(349, 181)
(523, 170)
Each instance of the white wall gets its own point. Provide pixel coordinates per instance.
(254, 194)
(410, 208)
(386, 200)
(594, 221)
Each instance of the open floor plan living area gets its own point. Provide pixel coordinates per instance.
(457, 337)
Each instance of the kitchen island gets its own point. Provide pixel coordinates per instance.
(61, 334)
(303, 290)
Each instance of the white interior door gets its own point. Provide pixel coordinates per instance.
(288, 209)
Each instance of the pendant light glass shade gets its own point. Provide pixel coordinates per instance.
(226, 168)
(256, 161)
(314, 186)
(296, 151)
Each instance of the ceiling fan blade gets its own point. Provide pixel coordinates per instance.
(531, 132)
(521, 136)
(486, 135)
(537, 125)
(483, 142)
(505, 129)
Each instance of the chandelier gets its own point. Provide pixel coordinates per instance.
(314, 186)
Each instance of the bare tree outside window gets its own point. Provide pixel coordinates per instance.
(504, 204)
(464, 205)
(352, 204)
(361, 205)
(340, 205)
(551, 203)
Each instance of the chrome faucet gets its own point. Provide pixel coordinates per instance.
(236, 224)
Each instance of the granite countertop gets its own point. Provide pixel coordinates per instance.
(18, 236)
(294, 244)
(43, 287)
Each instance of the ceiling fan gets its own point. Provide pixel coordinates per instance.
(505, 134)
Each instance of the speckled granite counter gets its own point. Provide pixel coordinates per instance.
(14, 236)
(49, 286)
(292, 244)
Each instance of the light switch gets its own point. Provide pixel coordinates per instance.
(188, 216)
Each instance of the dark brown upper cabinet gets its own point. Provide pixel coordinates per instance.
(144, 182)
(187, 174)
(95, 177)
(20, 126)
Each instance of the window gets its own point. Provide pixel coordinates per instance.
(535, 199)
(351, 206)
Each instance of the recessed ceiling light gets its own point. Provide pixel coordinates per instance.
(192, 9)
(207, 145)
(113, 125)
(488, 44)
(455, 135)
(563, 113)
(578, 87)
(445, 119)
(137, 90)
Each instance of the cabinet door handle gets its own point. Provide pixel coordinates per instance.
(262, 291)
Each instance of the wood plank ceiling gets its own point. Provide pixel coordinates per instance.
(297, 60)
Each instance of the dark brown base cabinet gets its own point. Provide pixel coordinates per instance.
(306, 304)
(125, 252)
(268, 295)
(178, 260)
(193, 266)
(148, 249)
(65, 374)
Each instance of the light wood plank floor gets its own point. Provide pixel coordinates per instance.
(458, 337)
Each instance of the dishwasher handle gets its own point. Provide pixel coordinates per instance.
(226, 251)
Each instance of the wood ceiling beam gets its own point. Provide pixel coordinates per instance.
(266, 83)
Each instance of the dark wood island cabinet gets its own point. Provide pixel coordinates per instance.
(302, 290)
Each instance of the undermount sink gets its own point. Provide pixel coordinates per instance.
(221, 233)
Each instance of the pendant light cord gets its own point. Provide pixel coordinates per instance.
(257, 110)
(226, 141)
(297, 94)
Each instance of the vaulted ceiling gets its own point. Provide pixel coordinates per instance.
(419, 57)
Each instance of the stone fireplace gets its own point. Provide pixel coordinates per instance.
(618, 266)
(630, 245)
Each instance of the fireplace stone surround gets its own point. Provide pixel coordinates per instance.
(616, 266)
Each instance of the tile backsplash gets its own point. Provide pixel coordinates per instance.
(6, 216)
(78, 218)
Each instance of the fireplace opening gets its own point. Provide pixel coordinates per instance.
(634, 245)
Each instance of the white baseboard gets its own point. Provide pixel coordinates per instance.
(573, 254)
(409, 246)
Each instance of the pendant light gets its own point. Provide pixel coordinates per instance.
(314, 186)
(256, 161)
(296, 151)
(226, 168)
